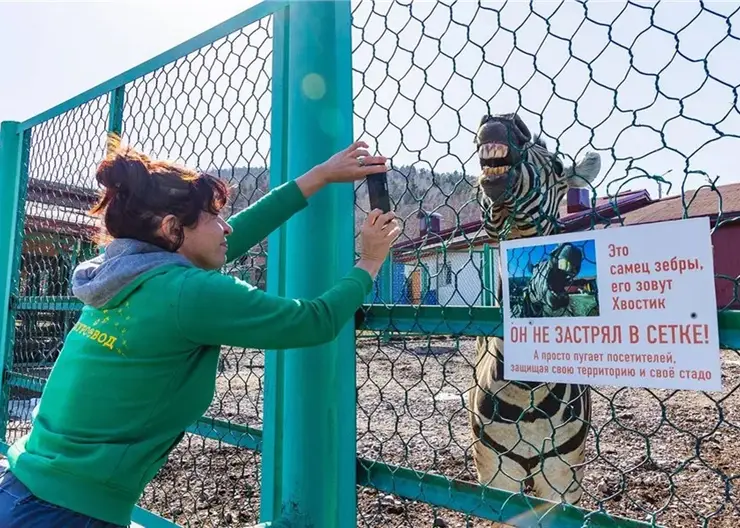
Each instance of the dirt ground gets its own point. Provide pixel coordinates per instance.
(650, 452)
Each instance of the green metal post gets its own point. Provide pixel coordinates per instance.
(317, 440)
(486, 276)
(115, 122)
(115, 115)
(272, 414)
(11, 153)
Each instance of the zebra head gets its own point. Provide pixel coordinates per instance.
(522, 183)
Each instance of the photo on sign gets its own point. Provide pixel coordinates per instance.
(553, 280)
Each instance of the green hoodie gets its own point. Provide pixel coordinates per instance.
(139, 366)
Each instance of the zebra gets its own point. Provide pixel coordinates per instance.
(529, 437)
(545, 295)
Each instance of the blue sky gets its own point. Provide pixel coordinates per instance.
(602, 77)
(519, 259)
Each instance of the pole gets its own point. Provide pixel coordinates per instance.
(487, 275)
(318, 437)
(10, 181)
(274, 396)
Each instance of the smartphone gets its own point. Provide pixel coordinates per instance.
(377, 186)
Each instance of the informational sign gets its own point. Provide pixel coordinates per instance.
(628, 306)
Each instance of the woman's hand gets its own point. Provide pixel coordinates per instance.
(348, 165)
(378, 234)
(351, 164)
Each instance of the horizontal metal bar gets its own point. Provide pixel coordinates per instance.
(414, 319)
(432, 319)
(47, 303)
(487, 503)
(247, 17)
(282, 522)
(729, 328)
(147, 519)
(26, 381)
(228, 433)
(482, 320)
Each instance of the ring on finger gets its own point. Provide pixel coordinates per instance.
(361, 162)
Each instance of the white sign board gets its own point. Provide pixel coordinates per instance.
(628, 306)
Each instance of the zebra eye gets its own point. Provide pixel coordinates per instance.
(557, 165)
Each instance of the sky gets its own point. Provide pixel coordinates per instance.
(608, 77)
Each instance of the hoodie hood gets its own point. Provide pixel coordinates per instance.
(96, 281)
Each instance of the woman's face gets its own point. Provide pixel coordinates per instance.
(205, 244)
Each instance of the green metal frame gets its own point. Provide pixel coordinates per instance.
(308, 443)
(10, 183)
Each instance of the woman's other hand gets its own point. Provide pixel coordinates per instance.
(378, 234)
(348, 165)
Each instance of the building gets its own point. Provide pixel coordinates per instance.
(57, 235)
(457, 265)
(707, 201)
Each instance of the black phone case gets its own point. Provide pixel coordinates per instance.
(377, 186)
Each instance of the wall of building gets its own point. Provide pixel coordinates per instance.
(466, 285)
(727, 262)
(430, 282)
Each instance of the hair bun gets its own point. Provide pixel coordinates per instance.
(123, 170)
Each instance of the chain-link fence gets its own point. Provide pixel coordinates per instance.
(645, 87)
(209, 109)
(648, 88)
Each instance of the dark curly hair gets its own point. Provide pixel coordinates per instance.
(139, 192)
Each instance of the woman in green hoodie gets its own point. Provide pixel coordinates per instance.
(139, 366)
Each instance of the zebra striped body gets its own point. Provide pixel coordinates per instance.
(528, 436)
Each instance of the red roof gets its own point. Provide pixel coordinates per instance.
(704, 201)
(634, 207)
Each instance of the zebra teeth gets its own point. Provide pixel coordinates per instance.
(493, 151)
(495, 171)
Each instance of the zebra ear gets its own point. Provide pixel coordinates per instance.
(584, 172)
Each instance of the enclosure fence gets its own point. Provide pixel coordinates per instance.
(373, 429)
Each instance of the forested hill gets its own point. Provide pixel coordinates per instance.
(450, 195)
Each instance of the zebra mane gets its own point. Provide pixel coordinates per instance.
(539, 140)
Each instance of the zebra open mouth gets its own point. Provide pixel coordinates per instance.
(496, 160)
(500, 141)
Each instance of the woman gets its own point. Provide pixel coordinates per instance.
(140, 364)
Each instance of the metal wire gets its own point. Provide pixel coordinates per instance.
(211, 110)
(424, 75)
(601, 77)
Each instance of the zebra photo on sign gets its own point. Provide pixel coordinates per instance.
(553, 280)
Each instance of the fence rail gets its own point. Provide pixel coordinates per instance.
(374, 429)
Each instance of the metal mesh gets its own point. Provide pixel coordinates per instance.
(210, 110)
(424, 75)
(62, 156)
(632, 82)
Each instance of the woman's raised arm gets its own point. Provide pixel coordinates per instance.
(253, 224)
